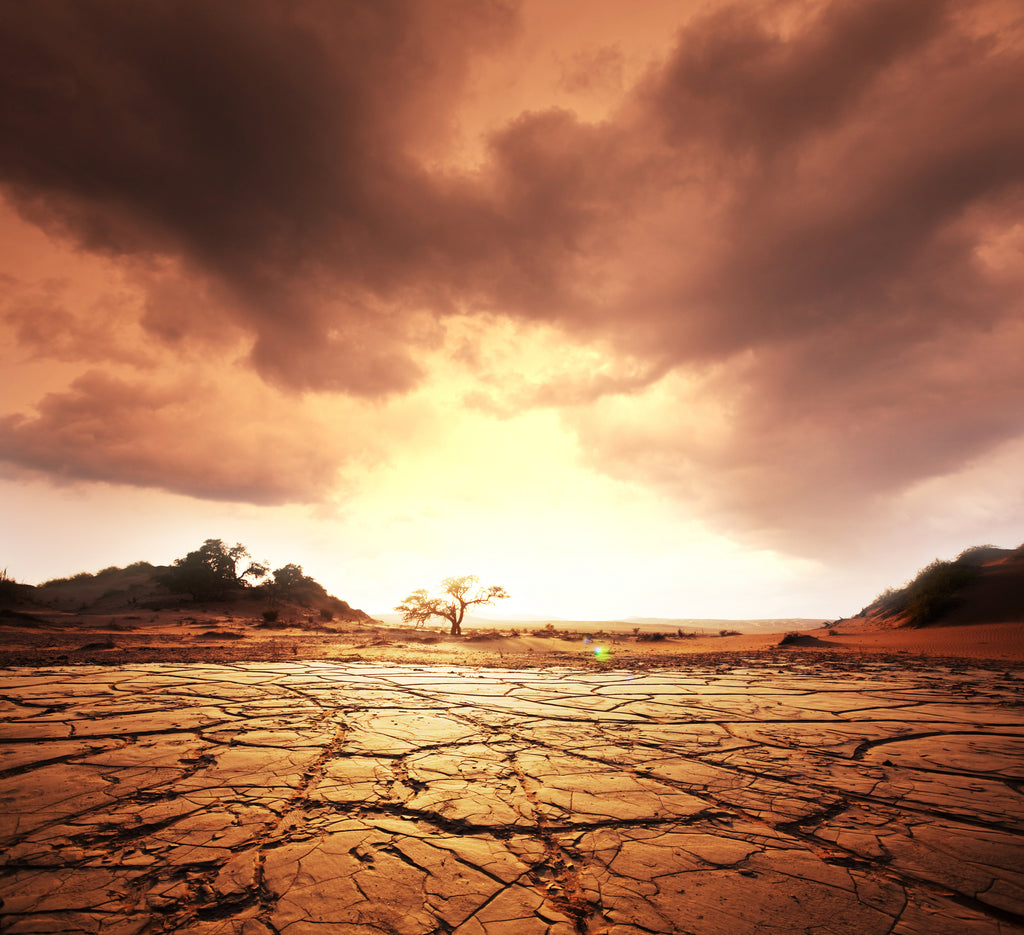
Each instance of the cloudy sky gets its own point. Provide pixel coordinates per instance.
(696, 309)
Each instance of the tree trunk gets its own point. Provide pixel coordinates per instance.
(456, 628)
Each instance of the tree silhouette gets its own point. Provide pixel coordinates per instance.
(290, 583)
(289, 578)
(211, 571)
(457, 594)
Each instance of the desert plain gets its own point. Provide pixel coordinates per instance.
(196, 774)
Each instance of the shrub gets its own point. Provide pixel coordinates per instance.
(81, 576)
(978, 555)
(270, 616)
(931, 592)
(10, 590)
(326, 614)
(935, 588)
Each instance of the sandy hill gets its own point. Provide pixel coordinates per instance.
(984, 584)
(139, 587)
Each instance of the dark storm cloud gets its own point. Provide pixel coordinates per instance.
(802, 175)
(838, 256)
(808, 446)
(832, 168)
(265, 143)
(736, 81)
(850, 269)
(819, 204)
(181, 437)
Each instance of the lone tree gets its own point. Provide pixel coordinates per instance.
(457, 594)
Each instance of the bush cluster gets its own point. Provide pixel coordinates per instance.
(933, 591)
(10, 590)
(548, 632)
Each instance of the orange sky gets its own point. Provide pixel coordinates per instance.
(670, 309)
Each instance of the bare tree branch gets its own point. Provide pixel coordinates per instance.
(419, 607)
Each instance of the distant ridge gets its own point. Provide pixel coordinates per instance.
(644, 624)
(758, 625)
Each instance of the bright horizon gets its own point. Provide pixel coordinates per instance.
(681, 310)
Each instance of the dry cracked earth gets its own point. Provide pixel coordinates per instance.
(306, 797)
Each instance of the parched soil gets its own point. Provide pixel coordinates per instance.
(773, 794)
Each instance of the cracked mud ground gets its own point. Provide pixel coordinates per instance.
(312, 798)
